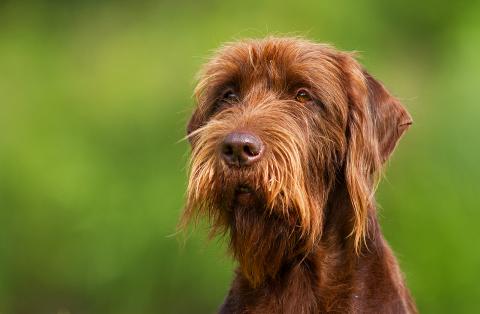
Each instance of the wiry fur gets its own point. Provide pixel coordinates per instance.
(309, 237)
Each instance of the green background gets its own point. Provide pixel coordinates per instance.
(94, 98)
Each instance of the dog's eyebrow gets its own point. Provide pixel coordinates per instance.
(224, 82)
(294, 80)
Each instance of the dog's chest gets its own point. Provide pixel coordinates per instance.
(298, 292)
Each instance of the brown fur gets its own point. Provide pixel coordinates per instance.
(308, 240)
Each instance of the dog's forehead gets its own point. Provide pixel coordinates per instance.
(277, 62)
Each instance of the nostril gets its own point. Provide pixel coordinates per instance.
(227, 150)
(250, 150)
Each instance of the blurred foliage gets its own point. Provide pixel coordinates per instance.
(94, 97)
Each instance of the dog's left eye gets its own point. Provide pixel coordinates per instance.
(303, 96)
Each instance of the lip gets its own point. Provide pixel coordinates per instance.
(244, 189)
(244, 196)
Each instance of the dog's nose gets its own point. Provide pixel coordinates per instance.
(241, 149)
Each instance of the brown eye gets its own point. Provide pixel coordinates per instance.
(303, 96)
(229, 96)
(225, 100)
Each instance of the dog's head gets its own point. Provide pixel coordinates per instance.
(279, 123)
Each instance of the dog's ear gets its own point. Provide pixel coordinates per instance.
(202, 99)
(194, 123)
(198, 117)
(389, 116)
(376, 121)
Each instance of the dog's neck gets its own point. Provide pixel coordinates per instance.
(333, 277)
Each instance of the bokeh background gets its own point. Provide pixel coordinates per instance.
(94, 97)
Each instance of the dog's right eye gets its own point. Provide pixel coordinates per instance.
(229, 97)
(226, 99)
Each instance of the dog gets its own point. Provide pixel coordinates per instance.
(288, 140)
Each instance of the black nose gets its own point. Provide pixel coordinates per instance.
(241, 149)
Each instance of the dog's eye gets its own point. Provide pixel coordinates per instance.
(229, 96)
(303, 96)
(225, 100)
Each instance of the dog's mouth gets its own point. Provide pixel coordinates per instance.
(244, 195)
(243, 189)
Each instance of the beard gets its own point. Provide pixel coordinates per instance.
(260, 240)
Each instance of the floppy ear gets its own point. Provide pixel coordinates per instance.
(376, 121)
(201, 111)
(194, 122)
(390, 118)
(199, 114)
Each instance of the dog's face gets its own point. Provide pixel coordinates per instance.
(279, 123)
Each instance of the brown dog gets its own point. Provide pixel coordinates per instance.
(288, 140)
